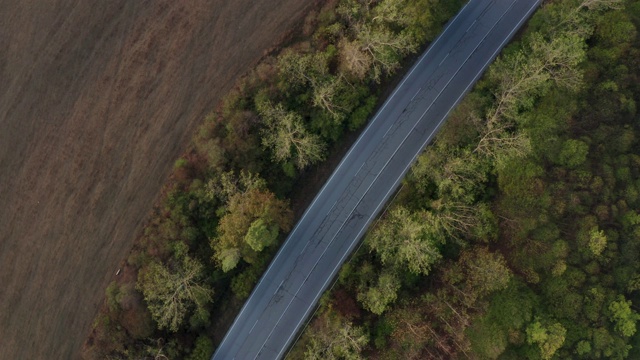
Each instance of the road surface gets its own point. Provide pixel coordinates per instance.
(370, 172)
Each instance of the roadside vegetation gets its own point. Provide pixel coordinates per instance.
(226, 207)
(516, 235)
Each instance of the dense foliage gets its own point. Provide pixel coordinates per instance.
(517, 234)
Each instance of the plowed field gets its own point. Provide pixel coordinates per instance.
(97, 100)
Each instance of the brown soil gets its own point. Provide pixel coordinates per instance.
(97, 99)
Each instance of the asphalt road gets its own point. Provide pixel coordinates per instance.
(367, 176)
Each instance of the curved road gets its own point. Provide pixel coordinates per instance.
(370, 172)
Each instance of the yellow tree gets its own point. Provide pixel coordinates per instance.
(548, 336)
(252, 220)
(332, 338)
(373, 46)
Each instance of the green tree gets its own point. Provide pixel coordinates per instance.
(405, 239)
(575, 15)
(614, 35)
(623, 316)
(573, 153)
(488, 340)
(260, 235)
(460, 177)
(583, 348)
(390, 12)
(173, 292)
(377, 298)
(521, 77)
(549, 338)
(202, 350)
(114, 296)
(228, 258)
(243, 283)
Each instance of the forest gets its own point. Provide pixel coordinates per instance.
(516, 235)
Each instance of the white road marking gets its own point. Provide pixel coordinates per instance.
(417, 92)
(445, 58)
(326, 185)
(407, 167)
(278, 288)
(254, 325)
(469, 28)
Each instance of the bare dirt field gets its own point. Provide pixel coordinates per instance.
(97, 99)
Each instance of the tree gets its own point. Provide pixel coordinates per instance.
(253, 218)
(520, 78)
(485, 271)
(260, 235)
(384, 48)
(353, 61)
(614, 35)
(583, 348)
(573, 153)
(549, 338)
(326, 94)
(488, 340)
(597, 241)
(227, 258)
(332, 337)
(202, 350)
(479, 272)
(607, 346)
(303, 69)
(624, 317)
(377, 38)
(375, 46)
(377, 298)
(172, 292)
(406, 239)
(243, 283)
(459, 221)
(287, 138)
(390, 12)
(412, 332)
(459, 176)
(575, 15)
(311, 71)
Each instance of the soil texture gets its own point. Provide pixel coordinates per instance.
(97, 100)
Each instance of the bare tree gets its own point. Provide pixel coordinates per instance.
(521, 78)
(287, 137)
(172, 292)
